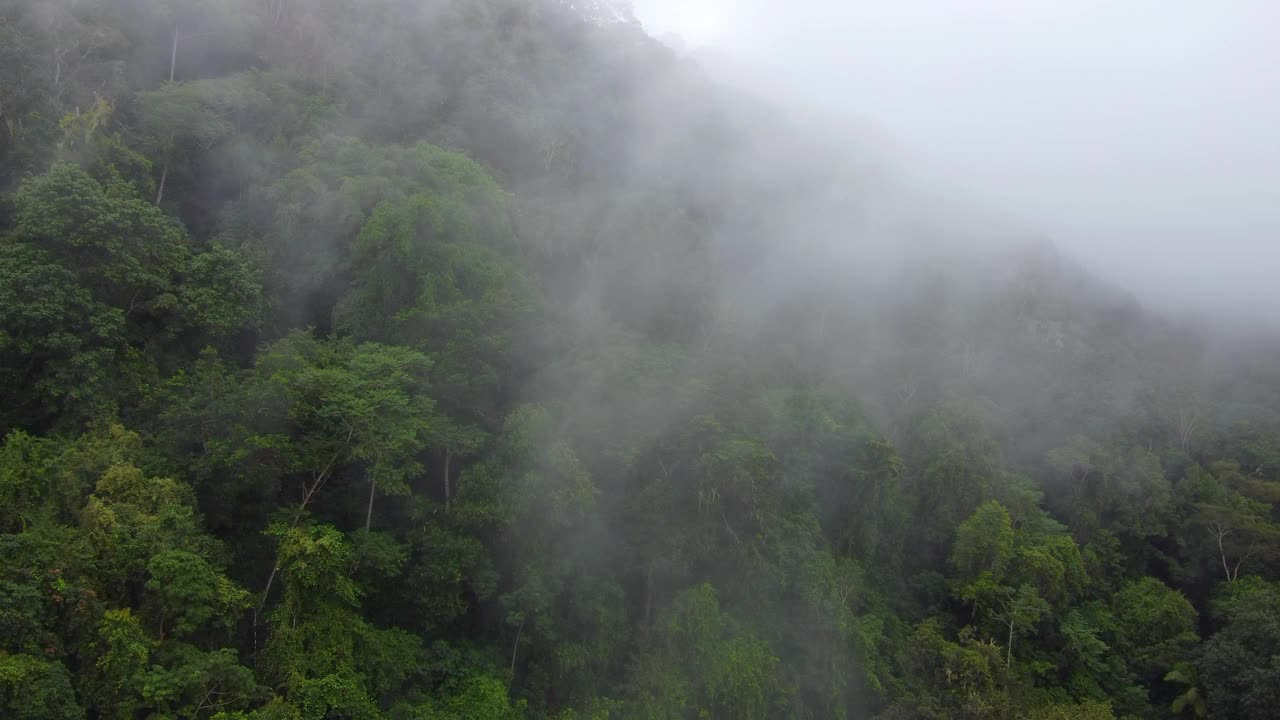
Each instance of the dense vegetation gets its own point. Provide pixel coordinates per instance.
(480, 359)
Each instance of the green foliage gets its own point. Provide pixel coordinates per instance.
(25, 490)
(481, 359)
(445, 567)
(1013, 576)
(186, 593)
(1155, 627)
(984, 543)
(96, 282)
(1087, 656)
(120, 654)
(130, 519)
(1018, 610)
(1238, 665)
(176, 121)
(312, 649)
(33, 688)
(958, 468)
(480, 697)
(185, 681)
(699, 664)
(1073, 711)
(961, 678)
(1191, 701)
(346, 403)
(423, 277)
(1053, 565)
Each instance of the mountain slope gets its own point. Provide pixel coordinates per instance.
(484, 358)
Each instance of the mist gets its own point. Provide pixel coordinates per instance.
(526, 360)
(1139, 137)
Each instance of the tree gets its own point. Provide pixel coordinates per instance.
(1052, 564)
(96, 283)
(130, 519)
(1155, 627)
(349, 403)
(56, 342)
(176, 22)
(960, 678)
(534, 492)
(176, 123)
(480, 697)
(329, 661)
(72, 41)
(955, 467)
(28, 112)
(699, 662)
(991, 559)
(1018, 610)
(33, 688)
(27, 495)
(185, 594)
(602, 12)
(1239, 666)
(1191, 700)
(120, 652)
(327, 258)
(343, 403)
(428, 272)
(1094, 669)
(184, 681)
(1239, 527)
(984, 543)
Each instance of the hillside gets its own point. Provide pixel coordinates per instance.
(485, 359)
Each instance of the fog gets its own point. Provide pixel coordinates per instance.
(1139, 136)
(493, 358)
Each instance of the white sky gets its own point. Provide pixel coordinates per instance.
(1143, 136)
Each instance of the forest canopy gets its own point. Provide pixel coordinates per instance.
(483, 359)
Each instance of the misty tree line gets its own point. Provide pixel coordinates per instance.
(480, 359)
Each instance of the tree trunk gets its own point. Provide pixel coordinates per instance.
(1188, 422)
(368, 514)
(447, 489)
(514, 650)
(263, 603)
(164, 175)
(648, 594)
(1219, 533)
(1008, 654)
(173, 54)
(308, 493)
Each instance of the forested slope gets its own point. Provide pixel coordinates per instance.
(482, 359)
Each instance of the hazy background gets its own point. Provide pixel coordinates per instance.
(1143, 137)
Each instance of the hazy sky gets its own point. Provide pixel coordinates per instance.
(1143, 136)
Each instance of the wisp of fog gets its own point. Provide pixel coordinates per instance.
(1139, 136)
